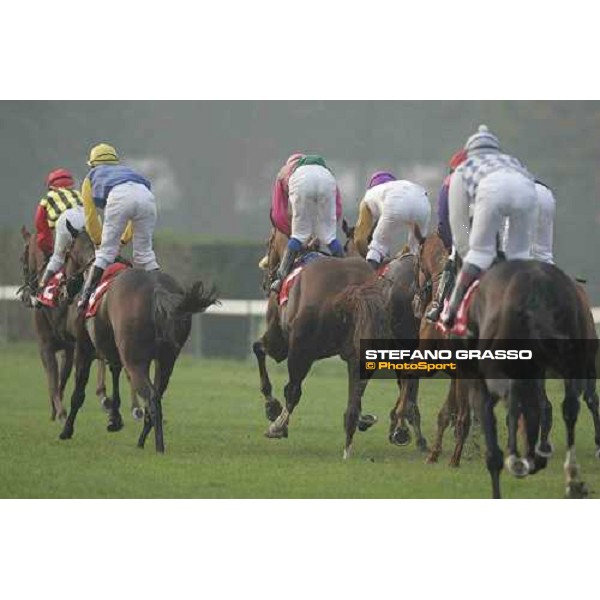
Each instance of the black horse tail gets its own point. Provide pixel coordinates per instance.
(365, 304)
(172, 310)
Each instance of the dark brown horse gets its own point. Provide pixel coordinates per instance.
(333, 304)
(143, 317)
(398, 287)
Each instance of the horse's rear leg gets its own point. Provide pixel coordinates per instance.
(545, 449)
(407, 410)
(356, 389)
(590, 397)
(83, 363)
(140, 379)
(443, 421)
(299, 363)
(137, 410)
(273, 407)
(66, 366)
(105, 401)
(494, 457)
(463, 423)
(115, 421)
(570, 408)
(50, 363)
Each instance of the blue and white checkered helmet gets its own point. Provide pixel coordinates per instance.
(483, 140)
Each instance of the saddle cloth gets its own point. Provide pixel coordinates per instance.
(460, 323)
(49, 296)
(299, 265)
(107, 278)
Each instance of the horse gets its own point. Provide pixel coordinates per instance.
(54, 337)
(398, 285)
(333, 304)
(143, 317)
(458, 407)
(460, 400)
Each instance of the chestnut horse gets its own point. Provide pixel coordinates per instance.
(333, 304)
(398, 286)
(143, 317)
(54, 337)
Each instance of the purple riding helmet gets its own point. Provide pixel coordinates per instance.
(380, 177)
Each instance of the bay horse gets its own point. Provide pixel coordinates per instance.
(333, 304)
(531, 301)
(143, 317)
(398, 285)
(56, 341)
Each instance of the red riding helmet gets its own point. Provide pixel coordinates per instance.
(457, 159)
(60, 178)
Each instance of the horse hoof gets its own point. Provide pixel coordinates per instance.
(432, 458)
(366, 421)
(106, 404)
(422, 445)
(65, 434)
(276, 433)
(517, 467)
(346, 454)
(400, 437)
(576, 490)
(137, 413)
(545, 450)
(273, 409)
(597, 453)
(115, 424)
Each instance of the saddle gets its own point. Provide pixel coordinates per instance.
(298, 267)
(460, 323)
(108, 277)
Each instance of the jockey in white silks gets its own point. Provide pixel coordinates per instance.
(542, 239)
(496, 186)
(395, 205)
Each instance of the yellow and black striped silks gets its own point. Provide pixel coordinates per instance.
(57, 200)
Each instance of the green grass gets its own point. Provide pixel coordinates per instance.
(216, 448)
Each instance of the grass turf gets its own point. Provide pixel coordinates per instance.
(215, 446)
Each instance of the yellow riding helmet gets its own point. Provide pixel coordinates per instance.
(102, 153)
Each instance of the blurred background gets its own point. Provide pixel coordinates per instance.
(212, 164)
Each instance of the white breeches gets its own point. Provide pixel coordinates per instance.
(312, 190)
(399, 214)
(62, 236)
(502, 194)
(128, 202)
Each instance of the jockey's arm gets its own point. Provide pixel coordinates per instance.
(44, 234)
(363, 229)
(92, 222)
(458, 207)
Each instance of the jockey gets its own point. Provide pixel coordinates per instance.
(393, 204)
(125, 196)
(543, 231)
(60, 198)
(496, 185)
(307, 186)
(448, 274)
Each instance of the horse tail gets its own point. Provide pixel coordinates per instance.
(170, 308)
(366, 305)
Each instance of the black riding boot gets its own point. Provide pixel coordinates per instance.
(468, 274)
(285, 267)
(373, 263)
(444, 288)
(89, 287)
